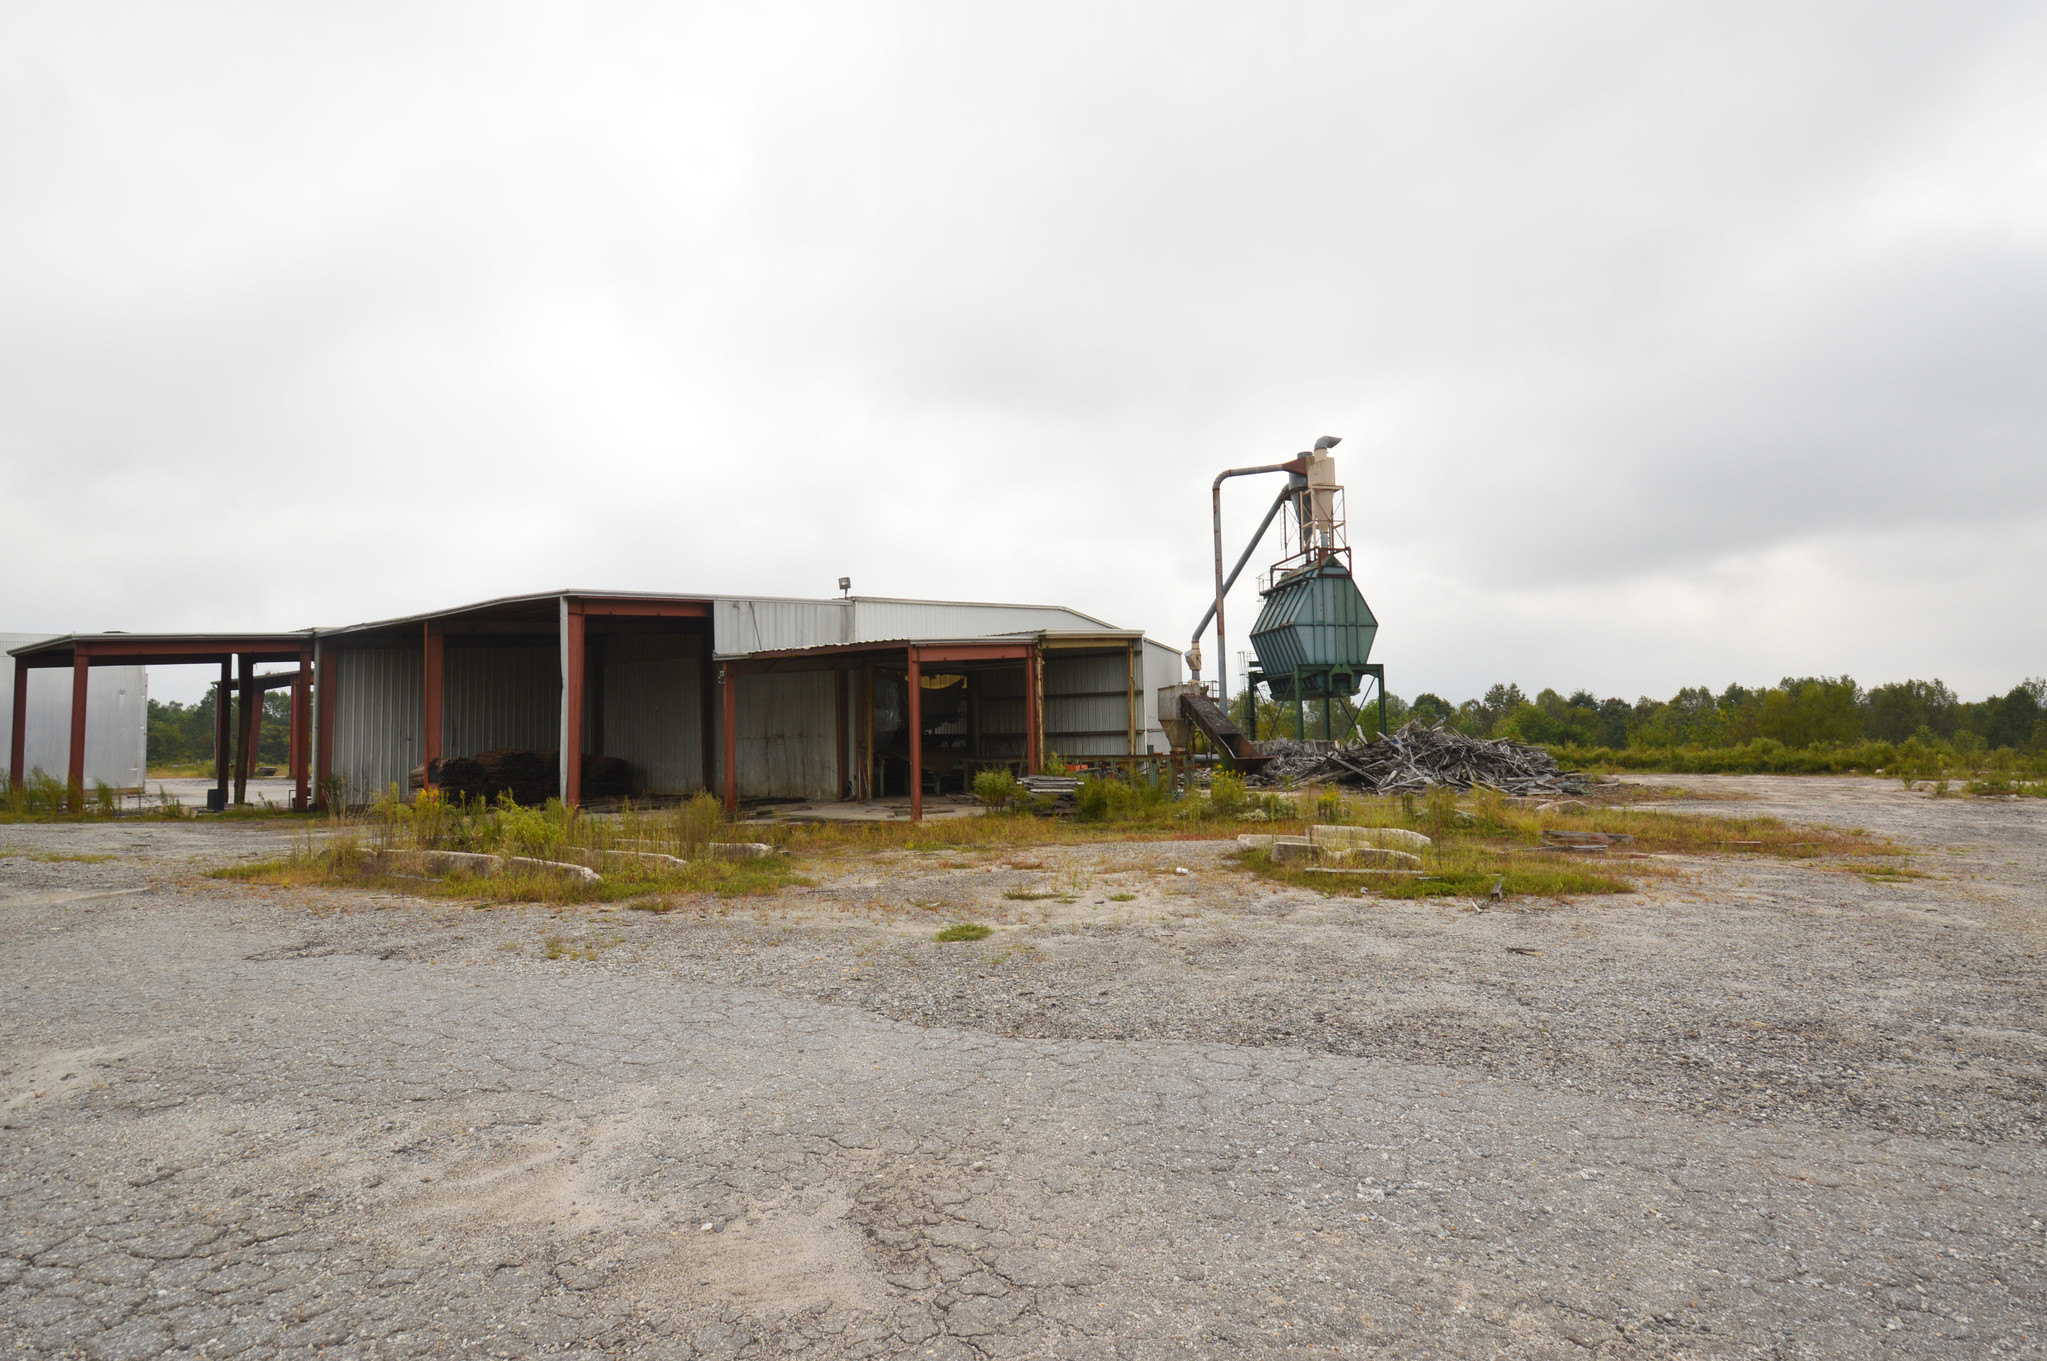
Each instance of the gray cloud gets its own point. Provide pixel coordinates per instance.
(1669, 346)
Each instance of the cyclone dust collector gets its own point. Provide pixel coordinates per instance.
(1314, 634)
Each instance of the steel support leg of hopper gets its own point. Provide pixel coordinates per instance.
(730, 699)
(302, 733)
(432, 692)
(250, 714)
(223, 728)
(17, 741)
(81, 673)
(572, 709)
(916, 734)
(1327, 733)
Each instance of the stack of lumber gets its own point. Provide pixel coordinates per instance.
(1061, 789)
(1417, 757)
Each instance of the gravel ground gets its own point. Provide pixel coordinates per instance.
(1756, 1109)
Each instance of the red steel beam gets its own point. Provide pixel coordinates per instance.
(730, 687)
(916, 736)
(430, 740)
(572, 709)
(167, 652)
(81, 671)
(975, 652)
(614, 607)
(17, 742)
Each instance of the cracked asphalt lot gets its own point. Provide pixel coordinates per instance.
(1757, 1109)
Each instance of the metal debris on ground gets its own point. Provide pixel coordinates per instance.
(1416, 757)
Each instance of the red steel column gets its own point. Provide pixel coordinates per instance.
(430, 743)
(323, 746)
(572, 703)
(916, 707)
(81, 670)
(1034, 716)
(731, 701)
(17, 744)
(252, 728)
(223, 724)
(301, 731)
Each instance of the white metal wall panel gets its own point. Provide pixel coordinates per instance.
(747, 625)
(378, 713)
(1160, 666)
(1087, 710)
(787, 743)
(653, 717)
(116, 719)
(886, 620)
(494, 697)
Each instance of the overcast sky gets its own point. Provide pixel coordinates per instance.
(1669, 345)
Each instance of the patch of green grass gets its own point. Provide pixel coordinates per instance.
(71, 857)
(1020, 895)
(1460, 873)
(965, 931)
(650, 887)
(1122, 897)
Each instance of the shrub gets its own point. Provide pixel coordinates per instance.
(1113, 800)
(997, 790)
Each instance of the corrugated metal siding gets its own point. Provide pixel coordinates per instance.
(652, 711)
(745, 625)
(494, 697)
(886, 620)
(787, 743)
(1161, 666)
(1087, 709)
(378, 709)
(116, 719)
(1002, 712)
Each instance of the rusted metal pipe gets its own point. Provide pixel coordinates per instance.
(1298, 467)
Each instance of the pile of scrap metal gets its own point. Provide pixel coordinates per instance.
(1416, 757)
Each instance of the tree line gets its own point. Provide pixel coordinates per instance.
(182, 734)
(1799, 713)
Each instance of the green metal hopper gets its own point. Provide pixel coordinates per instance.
(1314, 635)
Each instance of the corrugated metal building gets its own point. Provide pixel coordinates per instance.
(758, 697)
(803, 698)
(117, 714)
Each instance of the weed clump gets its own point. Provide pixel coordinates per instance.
(965, 931)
